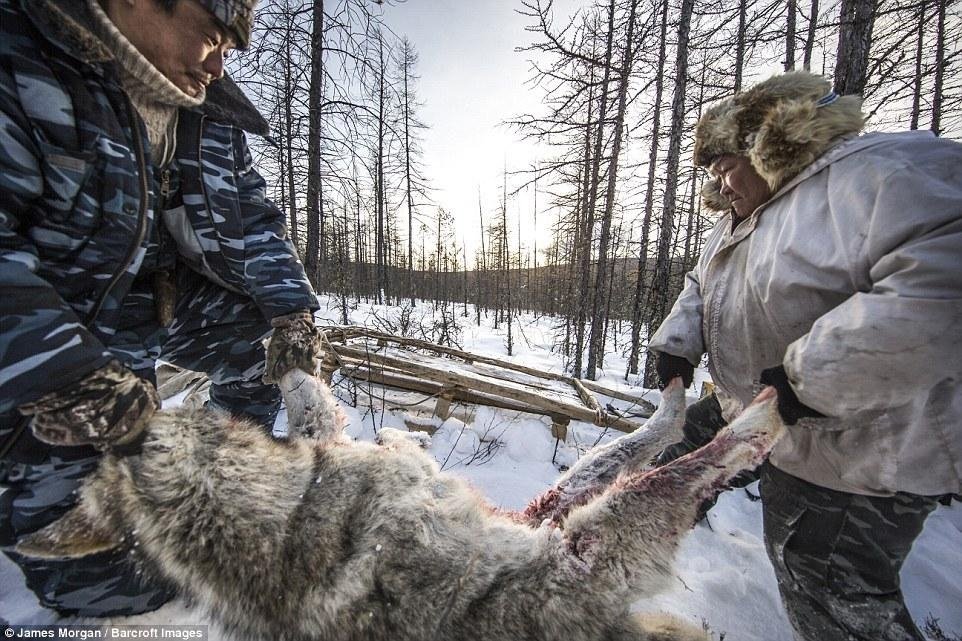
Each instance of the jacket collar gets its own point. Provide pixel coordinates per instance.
(843, 146)
(67, 25)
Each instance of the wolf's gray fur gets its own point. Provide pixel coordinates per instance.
(318, 537)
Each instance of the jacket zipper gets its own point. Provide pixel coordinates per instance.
(164, 189)
(141, 220)
(161, 207)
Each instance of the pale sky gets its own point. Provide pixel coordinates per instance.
(471, 80)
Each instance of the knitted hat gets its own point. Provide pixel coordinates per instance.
(781, 124)
(237, 16)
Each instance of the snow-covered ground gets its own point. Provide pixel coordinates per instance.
(723, 577)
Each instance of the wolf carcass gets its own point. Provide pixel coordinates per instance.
(318, 537)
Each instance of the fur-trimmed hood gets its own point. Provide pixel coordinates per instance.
(67, 23)
(781, 124)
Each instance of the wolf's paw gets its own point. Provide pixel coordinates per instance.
(759, 419)
(390, 437)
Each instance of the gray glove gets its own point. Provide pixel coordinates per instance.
(294, 344)
(110, 407)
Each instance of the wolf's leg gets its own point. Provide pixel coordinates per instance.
(656, 627)
(601, 466)
(312, 409)
(631, 451)
(626, 538)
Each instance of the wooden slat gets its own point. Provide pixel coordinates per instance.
(344, 333)
(518, 394)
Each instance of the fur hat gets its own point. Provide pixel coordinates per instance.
(236, 15)
(781, 124)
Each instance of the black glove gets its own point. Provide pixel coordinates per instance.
(108, 408)
(789, 407)
(668, 366)
(294, 344)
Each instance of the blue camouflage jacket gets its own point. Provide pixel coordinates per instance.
(77, 193)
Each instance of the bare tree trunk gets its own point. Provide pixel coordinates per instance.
(536, 223)
(739, 44)
(693, 228)
(636, 311)
(917, 81)
(537, 275)
(505, 259)
(660, 285)
(481, 267)
(810, 38)
(359, 257)
(790, 35)
(408, 59)
(437, 264)
(464, 283)
(599, 306)
(315, 97)
(584, 301)
(380, 242)
(342, 260)
(939, 70)
(854, 43)
(407, 175)
(574, 320)
(609, 288)
(289, 134)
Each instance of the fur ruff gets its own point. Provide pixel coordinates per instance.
(777, 125)
(711, 196)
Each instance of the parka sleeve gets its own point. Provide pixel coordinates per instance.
(274, 274)
(892, 343)
(680, 334)
(43, 345)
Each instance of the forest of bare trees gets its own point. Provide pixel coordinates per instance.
(622, 84)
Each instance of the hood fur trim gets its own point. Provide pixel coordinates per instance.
(69, 25)
(227, 103)
(711, 197)
(777, 125)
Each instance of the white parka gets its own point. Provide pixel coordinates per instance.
(851, 277)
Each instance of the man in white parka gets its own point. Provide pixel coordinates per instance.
(837, 278)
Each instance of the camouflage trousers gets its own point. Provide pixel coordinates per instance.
(837, 558)
(214, 331)
(836, 555)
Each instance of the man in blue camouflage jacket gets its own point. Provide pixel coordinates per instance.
(132, 227)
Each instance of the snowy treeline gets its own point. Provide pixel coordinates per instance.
(622, 84)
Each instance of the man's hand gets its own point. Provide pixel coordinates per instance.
(109, 408)
(668, 366)
(294, 344)
(789, 407)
